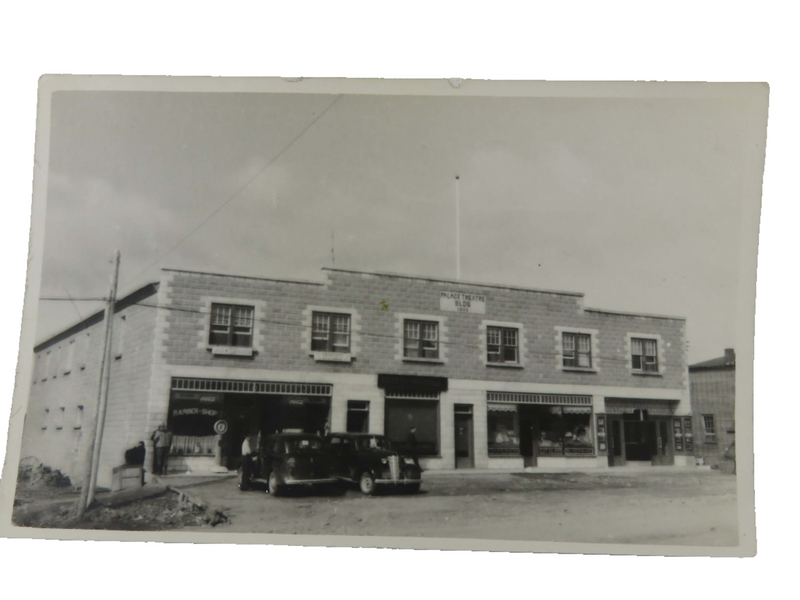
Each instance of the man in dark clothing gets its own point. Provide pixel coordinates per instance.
(412, 446)
(162, 439)
(136, 455)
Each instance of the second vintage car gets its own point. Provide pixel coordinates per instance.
(288, 460)
(368, 460)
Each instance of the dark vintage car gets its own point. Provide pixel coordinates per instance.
(368, 460)
(288, 460)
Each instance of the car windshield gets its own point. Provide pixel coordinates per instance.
(292, 445)
(373, 442)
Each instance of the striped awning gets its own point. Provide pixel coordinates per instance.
(251, 387)
(501, 407)
(560, 399)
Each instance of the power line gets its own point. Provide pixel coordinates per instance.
(239, 191)
(55, 299)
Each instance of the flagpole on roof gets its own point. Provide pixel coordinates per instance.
(458, 232)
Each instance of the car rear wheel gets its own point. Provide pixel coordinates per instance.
(367, 483)
(272, 485)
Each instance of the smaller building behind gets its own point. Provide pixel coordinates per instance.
(713, 393)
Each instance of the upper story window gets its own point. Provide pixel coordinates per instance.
(330, 332)
(577, 349)
(502, 345)
(420, 339)
(231, 325)
(709, 431)
(644, 355)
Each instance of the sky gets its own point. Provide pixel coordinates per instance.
(634, 202)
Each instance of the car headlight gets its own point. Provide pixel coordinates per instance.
(290, 462)
(385, 461)
(409, 461)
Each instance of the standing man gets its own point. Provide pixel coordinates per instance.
(162, 439)
(412, 446)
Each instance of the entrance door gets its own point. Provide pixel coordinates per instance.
(664, 454)
(465, 455)
(616, 454)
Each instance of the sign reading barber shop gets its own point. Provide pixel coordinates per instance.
(460, 302)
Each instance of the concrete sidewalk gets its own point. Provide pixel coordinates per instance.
(610, 471)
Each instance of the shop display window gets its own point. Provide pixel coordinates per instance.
(503, 426)
(565, 431)
(402, 415)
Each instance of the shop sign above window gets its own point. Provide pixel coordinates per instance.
(460, 302)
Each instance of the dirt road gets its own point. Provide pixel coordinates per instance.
(661, 507)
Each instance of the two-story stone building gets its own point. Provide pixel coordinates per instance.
(491, 376)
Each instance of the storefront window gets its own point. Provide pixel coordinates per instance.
(191, 422)
(565, 431)
(503, 426)
(403, 415)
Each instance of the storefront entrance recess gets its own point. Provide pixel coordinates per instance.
(635, 438)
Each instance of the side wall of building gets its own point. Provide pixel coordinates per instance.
(713, 393)
(128, 395)
(62, 402)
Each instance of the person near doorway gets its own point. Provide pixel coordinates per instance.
(412, 446)
(250, 454)
(162, 439)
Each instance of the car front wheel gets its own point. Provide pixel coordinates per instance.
(367, 483)
(272, 485)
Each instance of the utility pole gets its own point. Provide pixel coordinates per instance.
(458, 233)
(90, 478)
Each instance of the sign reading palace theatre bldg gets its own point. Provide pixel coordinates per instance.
(460, 302)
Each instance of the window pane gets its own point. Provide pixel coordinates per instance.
(341, 323)
(412, 330)
(430, 331)
(636, 346)
(493, 353)
(341, 342)
(584, 344)
(411, 348)
(503, 433)
(551, 432)
(510, 354)
(569, 343)
(218, 338)
(220, 315)
(493, 335)
(321, 322)
(637, 361)
(584, 360)
(578, 431)
(510, 337)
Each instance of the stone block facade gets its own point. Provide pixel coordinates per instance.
(163, 356)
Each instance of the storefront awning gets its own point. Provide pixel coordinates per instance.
(412, 383)
(251, 387)
(553, 399)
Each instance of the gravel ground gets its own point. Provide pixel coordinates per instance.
(650, 507)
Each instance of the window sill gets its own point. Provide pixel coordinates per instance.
(504, 365)
(579, 370)
(645, 374)
(434, 361)
(231, 351)
(344, 357)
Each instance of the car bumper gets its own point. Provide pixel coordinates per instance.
(397, 481)
(309, 481)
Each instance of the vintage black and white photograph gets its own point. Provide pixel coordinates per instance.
(481, 312)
